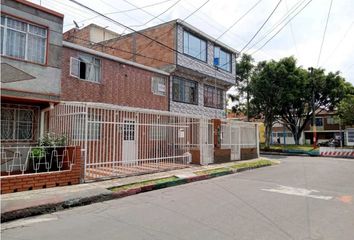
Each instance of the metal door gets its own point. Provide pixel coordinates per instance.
(129, 141)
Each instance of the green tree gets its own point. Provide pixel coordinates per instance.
(296, 99)
(346, 110)
(244, 69)
(265, 90)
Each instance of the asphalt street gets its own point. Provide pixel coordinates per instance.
(301, 198)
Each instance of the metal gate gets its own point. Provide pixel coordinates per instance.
(120, 141)
(236, 135)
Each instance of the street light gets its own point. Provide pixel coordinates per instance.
(313, 109)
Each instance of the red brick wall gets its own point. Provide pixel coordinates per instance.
(78, 36)
(159, 56)
(27, 182)
(120, 84)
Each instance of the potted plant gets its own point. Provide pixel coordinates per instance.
(54, 146)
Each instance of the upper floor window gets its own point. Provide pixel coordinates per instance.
(86, 67)
(194, 46)
(23, 40)
(319, 122)
(158, 85)
(213, 97)
(224, 59)
(185, 91)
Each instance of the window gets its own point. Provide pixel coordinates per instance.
(185, 91)
(158, 132)
(16, 124)
(213, 97)
(86, 67)
(332, 120)
(158, 85)
(129, 130)
(23, 40)
(350, 135)
(224, 59)
(194, 46)
(93, 127)
(319, 122)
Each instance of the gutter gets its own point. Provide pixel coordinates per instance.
(43, 111)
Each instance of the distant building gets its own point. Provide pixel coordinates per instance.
(327, 127)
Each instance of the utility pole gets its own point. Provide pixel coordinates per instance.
(313, 109)
(248, 102)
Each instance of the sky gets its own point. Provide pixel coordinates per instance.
(301, 37)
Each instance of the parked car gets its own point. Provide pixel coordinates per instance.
(330, 143)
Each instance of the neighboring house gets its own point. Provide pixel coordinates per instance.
(282, 135)
(327, 127)
(93, 76)
(31, 45)
(202, 68)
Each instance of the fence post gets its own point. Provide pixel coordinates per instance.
(257, 139)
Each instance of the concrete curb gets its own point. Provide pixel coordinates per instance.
(54, 207)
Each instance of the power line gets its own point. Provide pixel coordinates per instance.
(292, 30)
(163, 12)
(168, 31)
(271, 14)
(274, 27)
(339, 43)
(124, 11)
(281, 28)
(124, 26)
(324, 33)
(119, 49)
(239, 19)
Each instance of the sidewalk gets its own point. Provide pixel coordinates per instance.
(35, 202)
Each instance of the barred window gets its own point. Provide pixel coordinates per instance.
(213, 97)
(185, 91)
(16, 124)
(93, 127)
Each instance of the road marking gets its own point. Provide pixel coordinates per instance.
(345, 199)
(298, 192)
(25, 222)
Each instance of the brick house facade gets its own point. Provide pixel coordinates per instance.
(197, 85)
(120, 82)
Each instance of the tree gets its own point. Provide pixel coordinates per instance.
(283, 92)
(265, 90)
(244, 68)
(346, 110)
(297, 106)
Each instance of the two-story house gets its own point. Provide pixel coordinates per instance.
(327, 127)
(31, 45)
(202, 68)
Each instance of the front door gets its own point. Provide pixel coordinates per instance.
(129, 141)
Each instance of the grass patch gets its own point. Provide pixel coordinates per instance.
(289, 147)
(255, 164)
(144, 183)
(212, 171)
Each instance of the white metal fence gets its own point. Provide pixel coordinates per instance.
(236, 135)
(35, 159)
(119, 141)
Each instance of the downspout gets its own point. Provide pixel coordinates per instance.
(43, 111)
